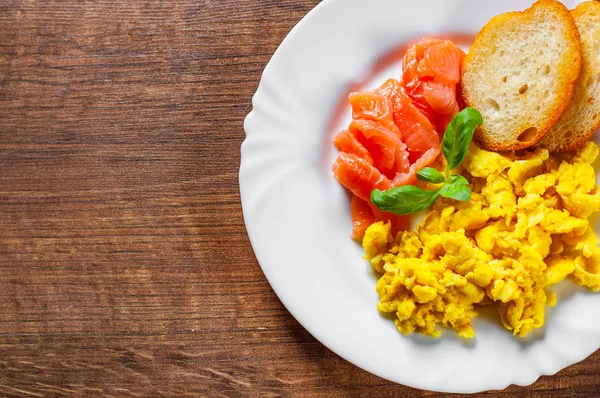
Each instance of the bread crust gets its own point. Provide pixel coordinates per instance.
(567, 76)
(575, 141)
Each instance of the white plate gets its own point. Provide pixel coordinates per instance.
(298, 219)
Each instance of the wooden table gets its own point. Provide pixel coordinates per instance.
(125, 265)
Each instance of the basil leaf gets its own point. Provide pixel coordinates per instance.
(457, 179)
(429, 174)
(457, 188)
(458, 136)
(404, 200)
(457, 192)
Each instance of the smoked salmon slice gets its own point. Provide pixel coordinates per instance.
(358, 176)
(403, 107)
(371, 105)
(415, 128)
(389, 89)
(442, 63)
(441, 97)
(421, 104)
(443, 122)
(419, 101)
(417, 131)
(362, 216)
(347, 142)
(383, 145)
(410, 177)
(414, 55)
(430, 73)
(402, 158)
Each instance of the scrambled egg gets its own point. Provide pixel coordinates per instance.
(524, 229)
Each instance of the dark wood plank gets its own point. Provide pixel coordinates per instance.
(125, 268)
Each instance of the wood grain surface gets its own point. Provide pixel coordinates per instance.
(125, 268)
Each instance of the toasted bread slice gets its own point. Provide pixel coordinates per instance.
(520, 73)
(582, 118)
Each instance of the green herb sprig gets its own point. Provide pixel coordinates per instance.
(410, 199)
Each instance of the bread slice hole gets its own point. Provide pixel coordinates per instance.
(523, 89)
(546, 70)
(527, 135)
(491, 104)
(504, 79)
